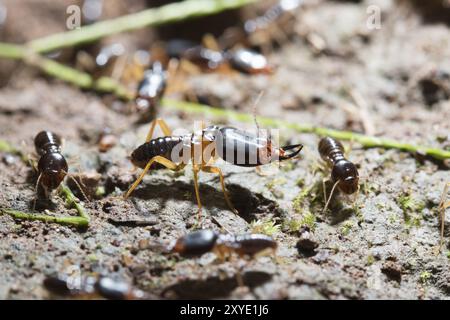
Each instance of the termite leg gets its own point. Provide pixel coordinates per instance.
(324, 189)
(443, 205)
(356, 196)
(239, 272)
(239, 278)
(172, 70)
(36, 191)
(217, 222)
(219, 251)
(222, 182)
(79, 186)
(260, 172)
(161, 160)
(162, 124)
(280, 35)
(197, 192)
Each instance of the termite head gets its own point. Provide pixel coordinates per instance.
(52, 169)
(195, 243)
(346, 173)
(211, 133)
(246, 149)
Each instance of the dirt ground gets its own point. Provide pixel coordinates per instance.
(379, 247)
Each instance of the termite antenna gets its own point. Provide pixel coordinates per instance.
(36, 190)
(258, 98)
(79, 187)
(331, 196)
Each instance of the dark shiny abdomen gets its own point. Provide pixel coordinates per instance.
(157, 147)
(46, 141)
(331, 150)
(196, 243)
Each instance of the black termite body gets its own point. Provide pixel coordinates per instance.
(162, 146)
(343, 171)
(151, 89)
(92, 287)
(196, 243)
(206, 58)
(52, 166)
(203, 241)
(249, 61)
(232, 145)
(243, 60)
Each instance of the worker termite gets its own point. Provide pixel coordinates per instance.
(202, 147)
(344, 173)
(150, 90)
(52, 167)
(276, 24)
(241, 59)
(203, 241)
(92, 287)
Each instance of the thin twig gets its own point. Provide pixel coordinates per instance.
(170, 13)
(82, 221)
(365, 140)
(78, 222)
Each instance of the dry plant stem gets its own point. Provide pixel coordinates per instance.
(109, 85)
(57, 70)
(82, 221)
(167, 14)
(151, 17)
(365, 140)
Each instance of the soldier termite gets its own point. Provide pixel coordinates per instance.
(344, 173)
(203, 241)
(230, 144)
